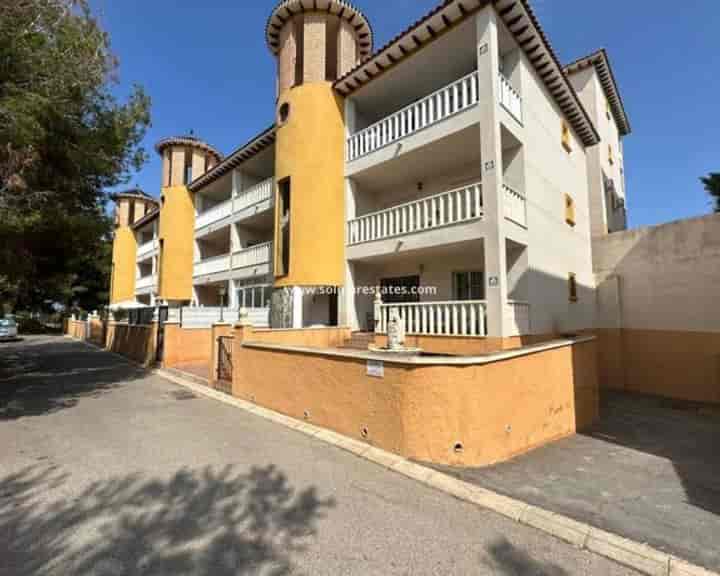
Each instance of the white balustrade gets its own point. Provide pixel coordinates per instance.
(253, 256)
(439, 105)
(212, 265)
(515, 206)
(214, 214)
(451, 207)
(456, 318)
(145, 250)
(518, 317)
(258, 193)
(145, 282)
(510, 99)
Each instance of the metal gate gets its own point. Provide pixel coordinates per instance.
(160, 344)
(224, 364)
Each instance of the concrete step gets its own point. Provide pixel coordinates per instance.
(359, 340)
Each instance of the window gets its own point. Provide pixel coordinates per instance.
(611, 157)
(254, 296)
(332, 30)
(168, 181)
(572, 287)
(469, 285)
(607, 109)
(187, 174)
(283, 236)
(131, 212)
(299, 23)
(566, 136)
(569, 210)
(284, 113)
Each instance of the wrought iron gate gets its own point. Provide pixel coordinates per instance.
(224, 364)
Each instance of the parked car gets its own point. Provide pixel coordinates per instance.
(8, 329)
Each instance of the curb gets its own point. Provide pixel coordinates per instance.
(640, 557)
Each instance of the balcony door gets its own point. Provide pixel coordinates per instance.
(400, 289)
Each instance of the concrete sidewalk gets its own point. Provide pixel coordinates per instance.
(649, 471)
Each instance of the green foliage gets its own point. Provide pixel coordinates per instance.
(64, 138)
(711, 182)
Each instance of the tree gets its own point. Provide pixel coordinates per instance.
(64, 139)
(712, 187)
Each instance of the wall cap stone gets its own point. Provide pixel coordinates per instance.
(423, 360)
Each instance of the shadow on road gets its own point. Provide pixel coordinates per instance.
(200, 522)
(44, 374)
(510, 560)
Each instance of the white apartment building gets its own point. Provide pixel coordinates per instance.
(477, 168)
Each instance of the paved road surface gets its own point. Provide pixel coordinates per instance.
(104, 470)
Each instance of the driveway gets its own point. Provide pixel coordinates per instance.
(107, 470)
(649, 470)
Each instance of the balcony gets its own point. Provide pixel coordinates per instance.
(515, 206)
(438, 106)
(215, 214)
(253, 256)
(212, 265)
(453, 318)
(453, 207)
(146, 282)
(510, 99)
(146, 250)
(253, 196)
(517, 315)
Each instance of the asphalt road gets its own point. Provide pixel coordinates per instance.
(105, 470)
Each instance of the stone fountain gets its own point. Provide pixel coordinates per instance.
(395, 334)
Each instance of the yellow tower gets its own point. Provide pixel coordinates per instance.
(315, 42)
(130, 206)
(184, 159)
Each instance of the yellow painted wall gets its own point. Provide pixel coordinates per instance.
(177, 224)
(124, 254)
(310, 150)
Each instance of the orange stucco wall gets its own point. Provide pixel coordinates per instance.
(676, 364)
(134, 342)
(187, 345)
(493, 410)
(331, 337)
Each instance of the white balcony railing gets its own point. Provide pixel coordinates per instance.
(510, 99)
(438, 106)
(145, 282)
(212, 265)
(253, 256)
(261, 191)
(145, 250)
(253, 195)
(456, 318)
(460, 205)
(214, 214)
(518, 317)
(515, 206)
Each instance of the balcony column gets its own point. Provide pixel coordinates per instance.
(488, 62)
(237, 186)
(348, 315)
(232, 302)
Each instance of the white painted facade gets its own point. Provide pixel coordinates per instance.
(459, 165)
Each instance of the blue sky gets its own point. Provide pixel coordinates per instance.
(207, 68)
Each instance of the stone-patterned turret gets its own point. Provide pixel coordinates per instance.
(316, 40)
(185, 158)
